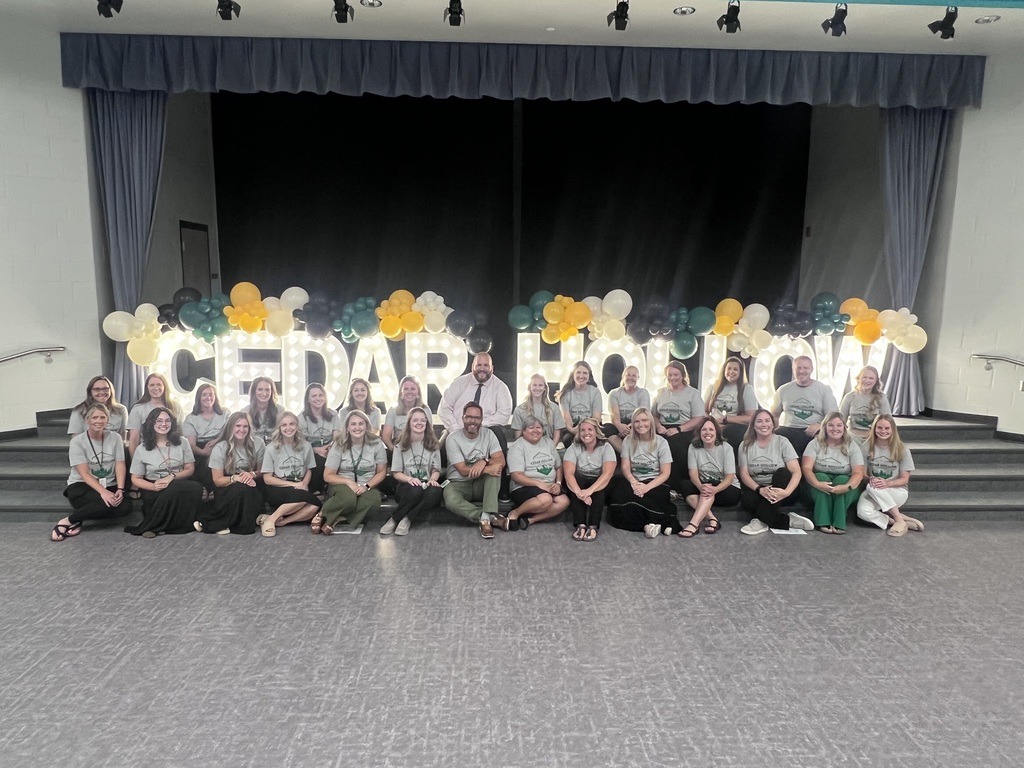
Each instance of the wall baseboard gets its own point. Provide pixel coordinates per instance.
(18, 434)
(970, 418)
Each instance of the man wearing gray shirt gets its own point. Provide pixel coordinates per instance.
(801, 405)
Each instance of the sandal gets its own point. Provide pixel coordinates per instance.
(524, 522)
(74, 529)
(686, 533)
(838, 531)
(914, 524)
(326, 530)
(826, 529)
(712, 526)
(59, 532)
(591, 534)
(260, 519)
(579, 533)
(315, 523)
(268, 530)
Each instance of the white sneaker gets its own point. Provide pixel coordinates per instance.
(652, 530)
(224, 532)
(403, 527)
(754, 527)
(800, 522)
(388, 528)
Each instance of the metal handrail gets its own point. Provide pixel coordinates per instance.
(45, 351)
(998, 358)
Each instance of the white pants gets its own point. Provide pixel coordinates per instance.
(873, 502)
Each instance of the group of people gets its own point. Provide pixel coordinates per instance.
(264, 467)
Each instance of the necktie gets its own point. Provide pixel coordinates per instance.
(479, 389)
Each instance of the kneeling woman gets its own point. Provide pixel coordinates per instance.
(587, 467)
(889, 466)
(235, 464)
(535, 471)
(356, 464)
(711, 466)
(416, 468)
(640, 500)
(162, 468)
(287, 466)
(96, 485)
(833, 468)
(769, 475)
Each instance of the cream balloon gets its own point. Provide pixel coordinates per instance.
(143, 352)
(294, 298)
(614, 329)
(756, 316)
(913, 340)
(280, 323)
(433, 321)
(119, 326)
(146, 312)
(618, 304)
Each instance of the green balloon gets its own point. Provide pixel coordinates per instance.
(702, 321)
(220, 326)
(364, 324)
(539, 299)
(684, 345)
(520, 317)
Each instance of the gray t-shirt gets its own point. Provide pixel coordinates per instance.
(203, 430)
(157, 463)
(219, 456)
(802, 406)
(677, 407)
(858, 410)
(320, 432)
(880, 464)
(761, 463)
(727, 401)
(712, 466)
(397, 421)
(831, 460)
(358, 463)
(646, 458)
(627, 402)
(520, 414)
(417, 461)
(137, 415)
(588, 463)
(580, 404)
(288, 462)
(537, 462)
(101, 456)
(263, 427)
(117, 422)
(461, 449)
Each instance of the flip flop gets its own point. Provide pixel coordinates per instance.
(579, 533)
(590, 535)
(74, 529)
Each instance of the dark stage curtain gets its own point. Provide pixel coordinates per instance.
(474, 70)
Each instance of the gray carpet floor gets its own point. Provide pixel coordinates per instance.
(442, 649)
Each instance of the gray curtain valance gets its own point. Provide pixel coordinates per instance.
(473, 70)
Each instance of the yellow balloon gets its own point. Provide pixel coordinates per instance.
(554, 312)
(412, 322)
(380, 312)
(867, 331)
(390, 326)
(403, 297)
(729, 308)
(244, 293)
(143, 351)
(856, 308)
(578, 314)
(550, 334)
(724, 325)
(249, 324)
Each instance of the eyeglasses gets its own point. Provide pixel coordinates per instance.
(163, 422)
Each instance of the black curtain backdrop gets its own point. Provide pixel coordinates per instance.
(487, 201)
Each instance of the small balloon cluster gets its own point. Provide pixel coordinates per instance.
(743, 327)
(852, 317)
(247, 310)
(560, 318)
(141, 331)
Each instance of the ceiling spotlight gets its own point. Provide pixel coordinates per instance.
(343, 12)
(226, 7)
(371, 3)
(730, 20)
(987, 19)
(837, 23)
(620, 15)
(454, 14)
(945, 27)
(684, 10)
(107, 8)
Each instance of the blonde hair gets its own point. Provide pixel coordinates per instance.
(400, 408)
(527, 404)
(278, 440)
(822, 437)
(634, 441)
(876, 391)
(896, 448)
(248, 445)
(597, 430)
(344, 440)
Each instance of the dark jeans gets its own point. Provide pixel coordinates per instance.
(88, 505)
(581, 513)
(727, 497)
(631, 513)
(797, 437)
(413, 501)
(768, 513)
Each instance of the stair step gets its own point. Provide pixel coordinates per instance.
(38, 450)
(933, 429)
(24, 476)
(988, 451)
(980, 478)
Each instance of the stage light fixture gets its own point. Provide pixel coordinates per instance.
(454, 14)
(944, 28)
(838, 21)
(620, 15)
(107, 8)
(226, 7)
(730, 20)
(343, 12)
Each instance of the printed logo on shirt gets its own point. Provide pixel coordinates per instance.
(292, 468)
(578, 412)
(829, 464)
(761, 467)
(669, 414)
(709, 472)
(883, 467)
(862, 420)
(802, 408)
(418, 467)
(726, 403)
(540, 463)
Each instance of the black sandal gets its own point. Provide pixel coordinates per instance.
(686, 533)
(59, 532)
(712, 526)
(524, 523)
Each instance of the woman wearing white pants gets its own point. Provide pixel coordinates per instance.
(889, 465)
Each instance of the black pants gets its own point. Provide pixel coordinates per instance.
(413, 501)
(768, 513)
(727, 497)
(797, 436)
(631, 513)
(581, 513)
(88, 505)
(679, 445)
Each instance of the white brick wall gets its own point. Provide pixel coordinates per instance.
(47, 277)
(982, 293)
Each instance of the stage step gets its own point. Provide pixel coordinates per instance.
(928, 429)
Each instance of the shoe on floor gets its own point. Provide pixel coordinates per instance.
(403, 527)
(897, 529)
(388, 528)
(224, 532)
(486, 530)
(198, 526)
(800, 522)
(652, 530)
(913, 523)
(754, 527)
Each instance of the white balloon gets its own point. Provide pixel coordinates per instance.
(614, 329)
(294, 298)
(737, 341)
(273, 304)
(118, 325)
(595, 305)
(756, 316)
(760, 339)
(146, 312)
(889, 319)
(617, 303)
(912, 340)
(433, 321)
